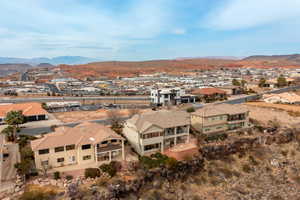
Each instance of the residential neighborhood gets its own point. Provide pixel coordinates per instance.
(67, 128)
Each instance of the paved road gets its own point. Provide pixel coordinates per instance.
(47, 129)
(49, 99)
(9, 171)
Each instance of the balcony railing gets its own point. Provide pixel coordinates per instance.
(109, 147)
(236, 117)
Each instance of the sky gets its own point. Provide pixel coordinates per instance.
(148, 29)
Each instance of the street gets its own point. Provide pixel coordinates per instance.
(32, 130)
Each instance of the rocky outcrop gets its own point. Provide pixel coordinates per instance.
(154, 178)
(218, 151)
(221, 151)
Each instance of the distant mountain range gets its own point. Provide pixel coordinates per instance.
(292, 58)
(70, 60)
(212, 57)
(7, 69)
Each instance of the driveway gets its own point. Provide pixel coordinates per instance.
(9, 171)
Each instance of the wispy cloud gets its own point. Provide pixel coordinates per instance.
(241, 14)
(42, 25)
(179, 31)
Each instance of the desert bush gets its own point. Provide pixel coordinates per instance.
(276, 197)
(211, 138)
(102, 181)
(91, 172)
(253, 161)
(156, 160)
(69, 177)
(246, 168)
(109, 169)
(56, 175)
(38, 193)
(190, 109)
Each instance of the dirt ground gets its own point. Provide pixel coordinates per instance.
(77, 116)
(293, 108)
(264, 112)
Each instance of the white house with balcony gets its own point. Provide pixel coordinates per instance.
(157, 131)
(170, 96)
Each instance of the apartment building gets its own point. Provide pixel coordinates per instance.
(219, 118)
(170, 96)
(86, 143)
(157, 131)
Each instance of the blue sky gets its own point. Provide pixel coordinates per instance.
(148, 29)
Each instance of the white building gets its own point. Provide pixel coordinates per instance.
(174, 96)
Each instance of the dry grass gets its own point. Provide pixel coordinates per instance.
(284, 107)
(78, 116)
(287, 115)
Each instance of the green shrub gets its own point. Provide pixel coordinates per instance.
(91, 173)
(109, 169)
(102, 181)
(156, 160)
(56, 175)
(69, 177)
(253, 161)
(211, 138)
(246, 168)
(190, 109)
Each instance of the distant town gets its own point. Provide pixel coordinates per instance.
(60, 132)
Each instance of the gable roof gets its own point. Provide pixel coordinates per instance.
(85, 133)
(28, 109)
(162, 119)
(221, 109)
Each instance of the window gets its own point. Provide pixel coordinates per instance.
(86, 146)
(114, 140)
(104, 142)
(71, 159)
(151, 135)
(151, 146)
(103, 156)
(43, 151)
(70, 147)
(87, 157)
(59, 149)
(60, 160)
(45, 163)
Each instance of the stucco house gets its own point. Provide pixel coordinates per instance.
(86, 143)
(219, 118)
(156, 131)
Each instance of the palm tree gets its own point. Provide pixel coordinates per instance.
(14, 119)
(8, 132)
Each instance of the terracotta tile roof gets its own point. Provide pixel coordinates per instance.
(28, 109)
(208, 91)
(162, 119)
(221, 109)
(85, 133)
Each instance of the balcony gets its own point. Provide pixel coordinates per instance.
(169, 132)
(239, 117)
(182, 129)
(108, 147)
